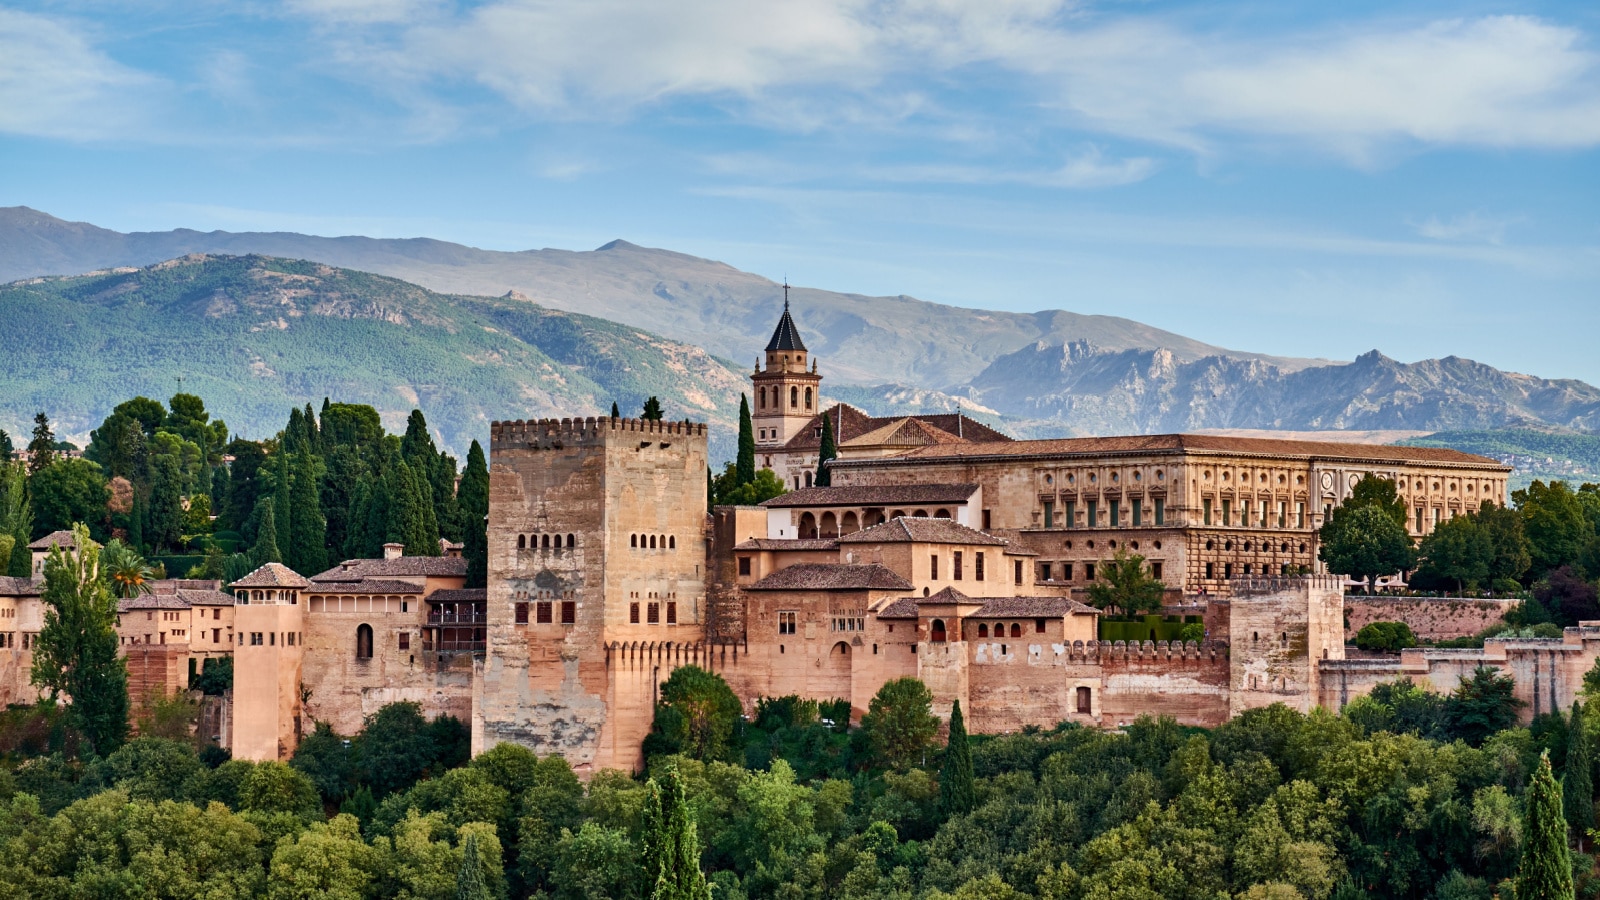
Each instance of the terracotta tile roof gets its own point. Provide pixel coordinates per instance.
(904, 608)
(55, 539)
(947, 596)
(367, 586)
(403, 566)
(832, 577)
(152, 601)
(20, 587)
(1008, 607)
(273, 575)
(463, 595)
(784, 544)
(874, 495)
(921, 531)
(904, 432)
(1187, 443)
(172, 585)
(205, 598)
(850, 423)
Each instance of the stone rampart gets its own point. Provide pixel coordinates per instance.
(1430, 618)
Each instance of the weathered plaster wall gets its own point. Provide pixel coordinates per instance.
(1431, 619)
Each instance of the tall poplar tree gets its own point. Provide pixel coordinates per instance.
(956, 794)
(473, 496)
(75, 653)
(745, 466)
(671, 845)
(826, 454)
(1545, 872)
(1577, 782)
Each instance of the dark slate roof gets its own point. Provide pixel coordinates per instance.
(402, 566)
(785, 544)
(20, 587)
(205, 598)
(874, 495)
(904, 608)
(273, 575)
(464, 595)
(948, 595)
(367, 586)
(1021, 607)
(832, 577)
(786, 336)
(55, 539)
(850, 423)
(922, 531)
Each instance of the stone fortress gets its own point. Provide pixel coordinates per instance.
(942, 550)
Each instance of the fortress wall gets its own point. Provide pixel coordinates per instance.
(345, 690)
(1013, 683)
(155, 670)
(1186, 681)
(1431, 619)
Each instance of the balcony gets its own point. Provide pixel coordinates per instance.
(465, 617)
(449, 645)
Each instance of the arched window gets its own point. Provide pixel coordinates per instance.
(545, 541)
(1083, 700)
(522, 542)
(808, 398)
(808, 479)
(1016, 630)
(652, 542)
(572, 541)
(633, 540)
(363, 641)
(941, 514)
(808, 526)
(763, 398)
(849, 524)
(830, 526)
(936, 633)
(672, 542)
(983, 630)
(794, 396)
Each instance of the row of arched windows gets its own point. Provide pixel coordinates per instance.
(777, 396)
(545, 542)
(1000, 629)
(652, 542)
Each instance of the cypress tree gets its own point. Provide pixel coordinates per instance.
(308, 530)
(470, 883)
(652, 410)
(652, 840)
(294, 439)
(745, 466)
(219, 491)
(282, 498)
(1577, 783)
(615, 413)
(1545, 872)
(410, 513)
(377, 527)
(266, 546)
(164, 530)
(355, 537)
(313, 438)
(136, 518)
(956, 795)
(672, 846)
(42, 449)
(474, 500)
(826, 454)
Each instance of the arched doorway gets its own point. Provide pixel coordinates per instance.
(363, 641)
(834, 675)
(830, 526)
(808, 526)
(936, 632)
(1084, 701)
(849, 524)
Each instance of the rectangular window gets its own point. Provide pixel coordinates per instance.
(1262, 519)
(672, 612)
(1283, 514)
(933, 567)
(542, 612)
(255, 638)
(786, 621)
(405, 640)
(520, 611)
(216, 635)
(1211, 571)
(744, 565)
(1066, 571)
(1437, 513)
(1161, 511)
(1155, 570)
(1116, 514)
(955, 565)
(986, 525)
(633, 613)
(1094, 513)
(652, 613)
(1071, 520)
(977, 566)
(1227, 513)
(1138, 511)
(1419, 520)
(1205, 509)
(1227, 570)
(1044, 571)
(569, 612)
(1088, 571)
(1038, 626)
(1016, 574)
(1049, 514)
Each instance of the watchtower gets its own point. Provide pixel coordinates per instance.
(268, 624)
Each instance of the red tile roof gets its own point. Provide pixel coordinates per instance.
(874, 495)
(787, 544)
(367, 586)
(403, 566)
(832, 577)
(1186, 443)
(1008, 607)
(273, 575)
(850, 423)
(55, 539)
(906, 529)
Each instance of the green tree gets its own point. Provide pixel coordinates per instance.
(473, 496)
(828, 453)
(652, 410)
(244, 482)
(16, 518)
(1510, 554)
(728, 492)
(1375, 490)
(126, 572)
(394, 748)
(328, 861)
(1545, 872)
(1365, 542)
(956, 794)
(1388, 637)
(1577, 780)
(697, 715)
(72, 490)
(42, 449)
(471, 884)
(1458, 550)
(308, 531)
(164, 531)
(265, 549)
(899, 724)
(283, 498)
(1554, 521)
(328, 760)
(1482, 705)
(671, 843)
(8, 450)
(745, 465)
(411, 520)
(615, 412)
(189, 419)
(75, 653)
(1125, 585)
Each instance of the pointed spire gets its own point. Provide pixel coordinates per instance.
(786, 336)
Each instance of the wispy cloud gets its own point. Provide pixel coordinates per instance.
(55, 83)
(1472, 227)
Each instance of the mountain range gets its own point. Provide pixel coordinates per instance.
(1049, 372)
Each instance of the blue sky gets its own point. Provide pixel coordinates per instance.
(1309, 179)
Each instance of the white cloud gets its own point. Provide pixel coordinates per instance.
(55, 84)
(1470, 228)
(363, 11)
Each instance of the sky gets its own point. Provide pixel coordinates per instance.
(1305, 179)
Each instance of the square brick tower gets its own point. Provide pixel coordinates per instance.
(597, 554)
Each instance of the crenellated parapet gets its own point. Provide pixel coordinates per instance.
(554, 433)
(1173, 653)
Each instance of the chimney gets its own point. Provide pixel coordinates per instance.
(393, 551)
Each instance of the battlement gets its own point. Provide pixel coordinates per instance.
(1122, 652)
(531, 432)
(1281, 584)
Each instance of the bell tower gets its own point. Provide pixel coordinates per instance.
(786, 391)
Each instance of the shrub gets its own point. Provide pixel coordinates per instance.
(1388, 637)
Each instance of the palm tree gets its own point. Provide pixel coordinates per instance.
(125, 570)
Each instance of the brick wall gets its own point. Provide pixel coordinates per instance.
(1431, 619)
